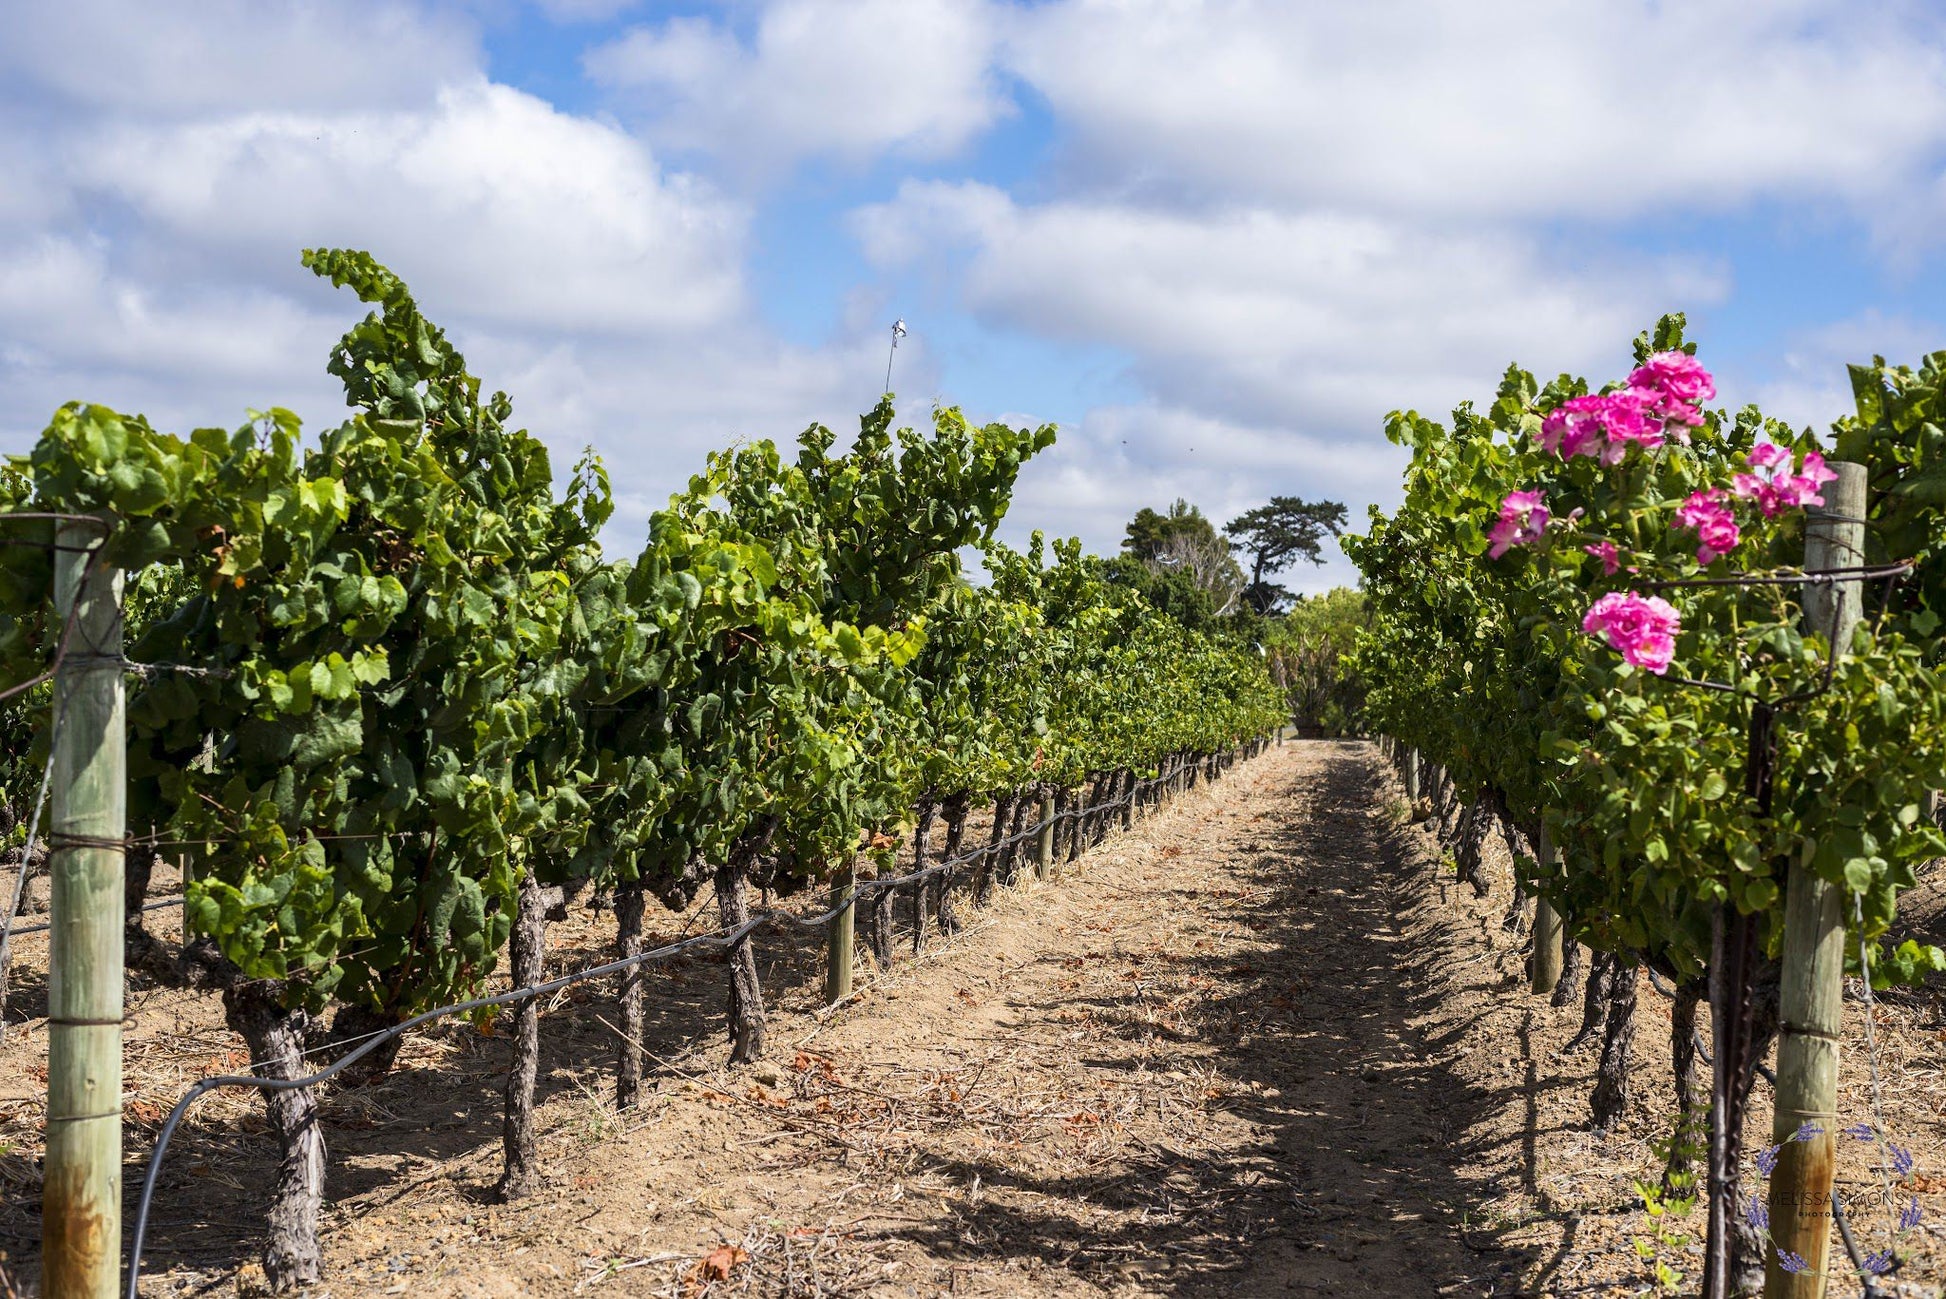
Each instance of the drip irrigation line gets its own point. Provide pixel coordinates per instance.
(722, 939)
(1764, 1071)
(159, 904)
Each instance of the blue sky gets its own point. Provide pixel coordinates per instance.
(1216, 242)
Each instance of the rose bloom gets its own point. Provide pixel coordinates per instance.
(1522, 519)
(1773, 487)
(1714, 522)
(1601, 424)
(1675, 383)
(1642, 628)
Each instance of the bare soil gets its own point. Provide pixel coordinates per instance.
(1262, 1044)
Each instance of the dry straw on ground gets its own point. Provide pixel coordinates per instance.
(1258, 1046)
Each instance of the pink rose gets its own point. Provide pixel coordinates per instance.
(1642, 628)
(1675, 383)
(1773, 487)
(1714, 522)
(1574, 428)
(1602, 424)
(1522, 519)
(1610, 558)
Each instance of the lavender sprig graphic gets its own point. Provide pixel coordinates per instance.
(1880, 1263)
(1767, 1159)
(1901, 1158)
(1790, 1262)
(1757, 1215)
(1807, 1131)
(1860, 1131)
(1911, 1215)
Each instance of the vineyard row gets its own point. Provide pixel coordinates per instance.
(387, 684)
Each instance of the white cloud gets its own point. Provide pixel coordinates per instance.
(152, 261)
(1809, 385)
(1121, 458)
(1309, 320)
(1505, 107)
(585, 11)
(848, 78)
(507, 208)
(655, 415)
(167, 58)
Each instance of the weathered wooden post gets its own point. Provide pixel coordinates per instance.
(81, 1196)
(1810, 996)
(1547, 929)
(838, 932)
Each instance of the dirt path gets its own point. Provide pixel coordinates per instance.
(1186, 1069)
(1261, 1045)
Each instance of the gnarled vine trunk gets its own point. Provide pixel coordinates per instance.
(529, 938)
(921, 841)
(1692, 1100)
(1474, 823)
(1078, 823)
(1594, 1004)
(1572, 956)
(954, 810)
(1610, 1099)
(733, 912)
(876, 908)
(630, 903)
(983, 870)
(275, 1037)
(1010, 854)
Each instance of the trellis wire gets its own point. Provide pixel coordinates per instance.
(61, 656)
(721, 939)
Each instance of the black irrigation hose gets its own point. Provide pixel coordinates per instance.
(726, 939)
(160, 904)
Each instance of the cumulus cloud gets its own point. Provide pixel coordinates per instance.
(1120, 458)
(1313, 320)
(1808, 384)
(149, 236)
(507, 207)
(847, 78)
(585, 11)
(1502, 107)
(161, 60)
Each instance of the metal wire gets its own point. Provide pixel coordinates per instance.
(26, 864)
(94, 554)
(722, 939)
(1810, 577)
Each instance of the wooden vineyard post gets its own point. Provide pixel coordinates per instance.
(838, 935)
(1412, 779)
(1547, 930)
(1810, 995)
(1044, 841)
(81, 1197)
